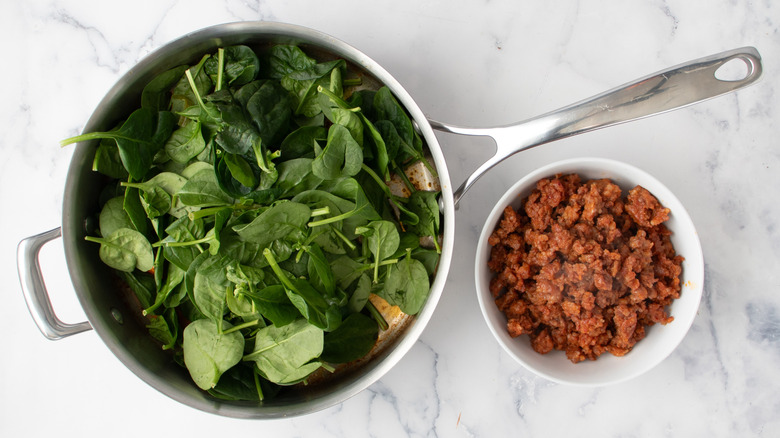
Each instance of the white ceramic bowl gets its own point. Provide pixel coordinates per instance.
(660, 341)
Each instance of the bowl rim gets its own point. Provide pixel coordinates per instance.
(693, 274)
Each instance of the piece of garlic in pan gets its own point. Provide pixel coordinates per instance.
(422, 179)
(421, 176)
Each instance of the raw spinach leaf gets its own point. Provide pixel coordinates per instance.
(236, 133)
(349, 188)
(113, 216)
(380, 152)
(156, 95)
(242, 383)
(407, 285)
(273, 303)
(243, 251)
(192, 169)
(346, 270)
(351, 121)
(209, 116)
(240, 170)
(242, 306)
(341, 157)
(310, 302)
(125, 250)
(107, 160)
(180, 232)
(183, 95)
(364, 99)
(230, 185)
(300, 143)
(138, 139)
(426, 206)
(398, 150)
(208, 353)
(156, 202)
(319, 270)
(276, 223)
(353, 339)
(202, 190)
(173, 277)
(269, 109)
(189, 280)
(360, 294)
(387, 108)
(142, 284)
(242, 95)
(285, 355)
(186, 142)
(304, 83)
(210, 285)
(285, 59)
(135, 210)
(296, 176)
(165, 328)
(429, 258)
(240, 66)
(383, 240)
(185, 229)
(313, 305)
(158, 192)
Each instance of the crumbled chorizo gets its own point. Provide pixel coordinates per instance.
(581, 269)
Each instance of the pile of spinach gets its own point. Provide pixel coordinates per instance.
(249, 212)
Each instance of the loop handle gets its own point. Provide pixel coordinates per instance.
(34, 289)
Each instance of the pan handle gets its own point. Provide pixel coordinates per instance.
(34, 289)
(666, 90)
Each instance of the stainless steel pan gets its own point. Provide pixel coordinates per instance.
(114, 318)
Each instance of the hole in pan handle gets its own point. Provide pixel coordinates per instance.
(666, 90)
(34, 289)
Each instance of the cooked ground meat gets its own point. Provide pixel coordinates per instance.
(583, 270)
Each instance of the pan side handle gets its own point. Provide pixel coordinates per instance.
(666, 90)
(34, 289)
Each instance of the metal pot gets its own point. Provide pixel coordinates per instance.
(113, 318)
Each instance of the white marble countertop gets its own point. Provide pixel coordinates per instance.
(478, 63)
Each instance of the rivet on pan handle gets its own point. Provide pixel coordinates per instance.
(34, 289)
(670, 89)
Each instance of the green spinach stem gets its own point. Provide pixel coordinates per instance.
(194, 88)
(210, 211)
(403, 177)
(329, 220)
(341, 103)
(343, 238)
(221, 63)
(236, 328)
(258, 387)
(376, 315)
(322, 211)
(378, 180)
(185, 243)
(382, 263)
(352, 82)
(277, 270)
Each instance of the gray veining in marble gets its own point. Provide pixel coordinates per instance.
(476, 63)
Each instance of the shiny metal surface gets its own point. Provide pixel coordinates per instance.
(34, 288)
(116, 320)
(670, 89)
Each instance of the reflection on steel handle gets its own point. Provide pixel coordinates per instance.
(34, 290)
(673, 88)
